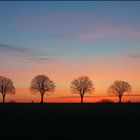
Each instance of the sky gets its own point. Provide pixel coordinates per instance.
(65, 40)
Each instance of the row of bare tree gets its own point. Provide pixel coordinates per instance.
(82, 85)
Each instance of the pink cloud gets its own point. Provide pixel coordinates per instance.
(83, 26)
(135, 35)
(110, 31)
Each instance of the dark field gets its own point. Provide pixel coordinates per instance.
(70, 121)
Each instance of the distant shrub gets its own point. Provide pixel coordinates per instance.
(12, 101)
(106, 101)
(129, 101)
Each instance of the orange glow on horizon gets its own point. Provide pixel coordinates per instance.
(63, 96)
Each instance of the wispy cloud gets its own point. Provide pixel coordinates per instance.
(26, 53)
(66, 35)
(12, 48)
(93, 32)
(109, 31)
(42, 59)
(75, 25)
(136, 56)
(92, 35)
(134, 35)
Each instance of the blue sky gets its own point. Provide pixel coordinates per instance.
(67, 36)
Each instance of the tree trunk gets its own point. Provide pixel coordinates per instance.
(42, 98)
(81, 99)
(120, 99)
(3, 98)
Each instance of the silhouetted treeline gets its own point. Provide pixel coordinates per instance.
(82, 85)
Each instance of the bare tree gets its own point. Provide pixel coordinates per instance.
(81, 86)
(118, 88)
(6, 87)
(42, 84)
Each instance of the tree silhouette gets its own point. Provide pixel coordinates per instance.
(42, 84)
(118, 88)
(6, 87)
(81, 86)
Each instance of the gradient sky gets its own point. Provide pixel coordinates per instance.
(65, 40)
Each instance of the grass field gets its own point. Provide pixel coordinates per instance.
(70, 121)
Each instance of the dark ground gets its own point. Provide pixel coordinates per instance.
(70, 121)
